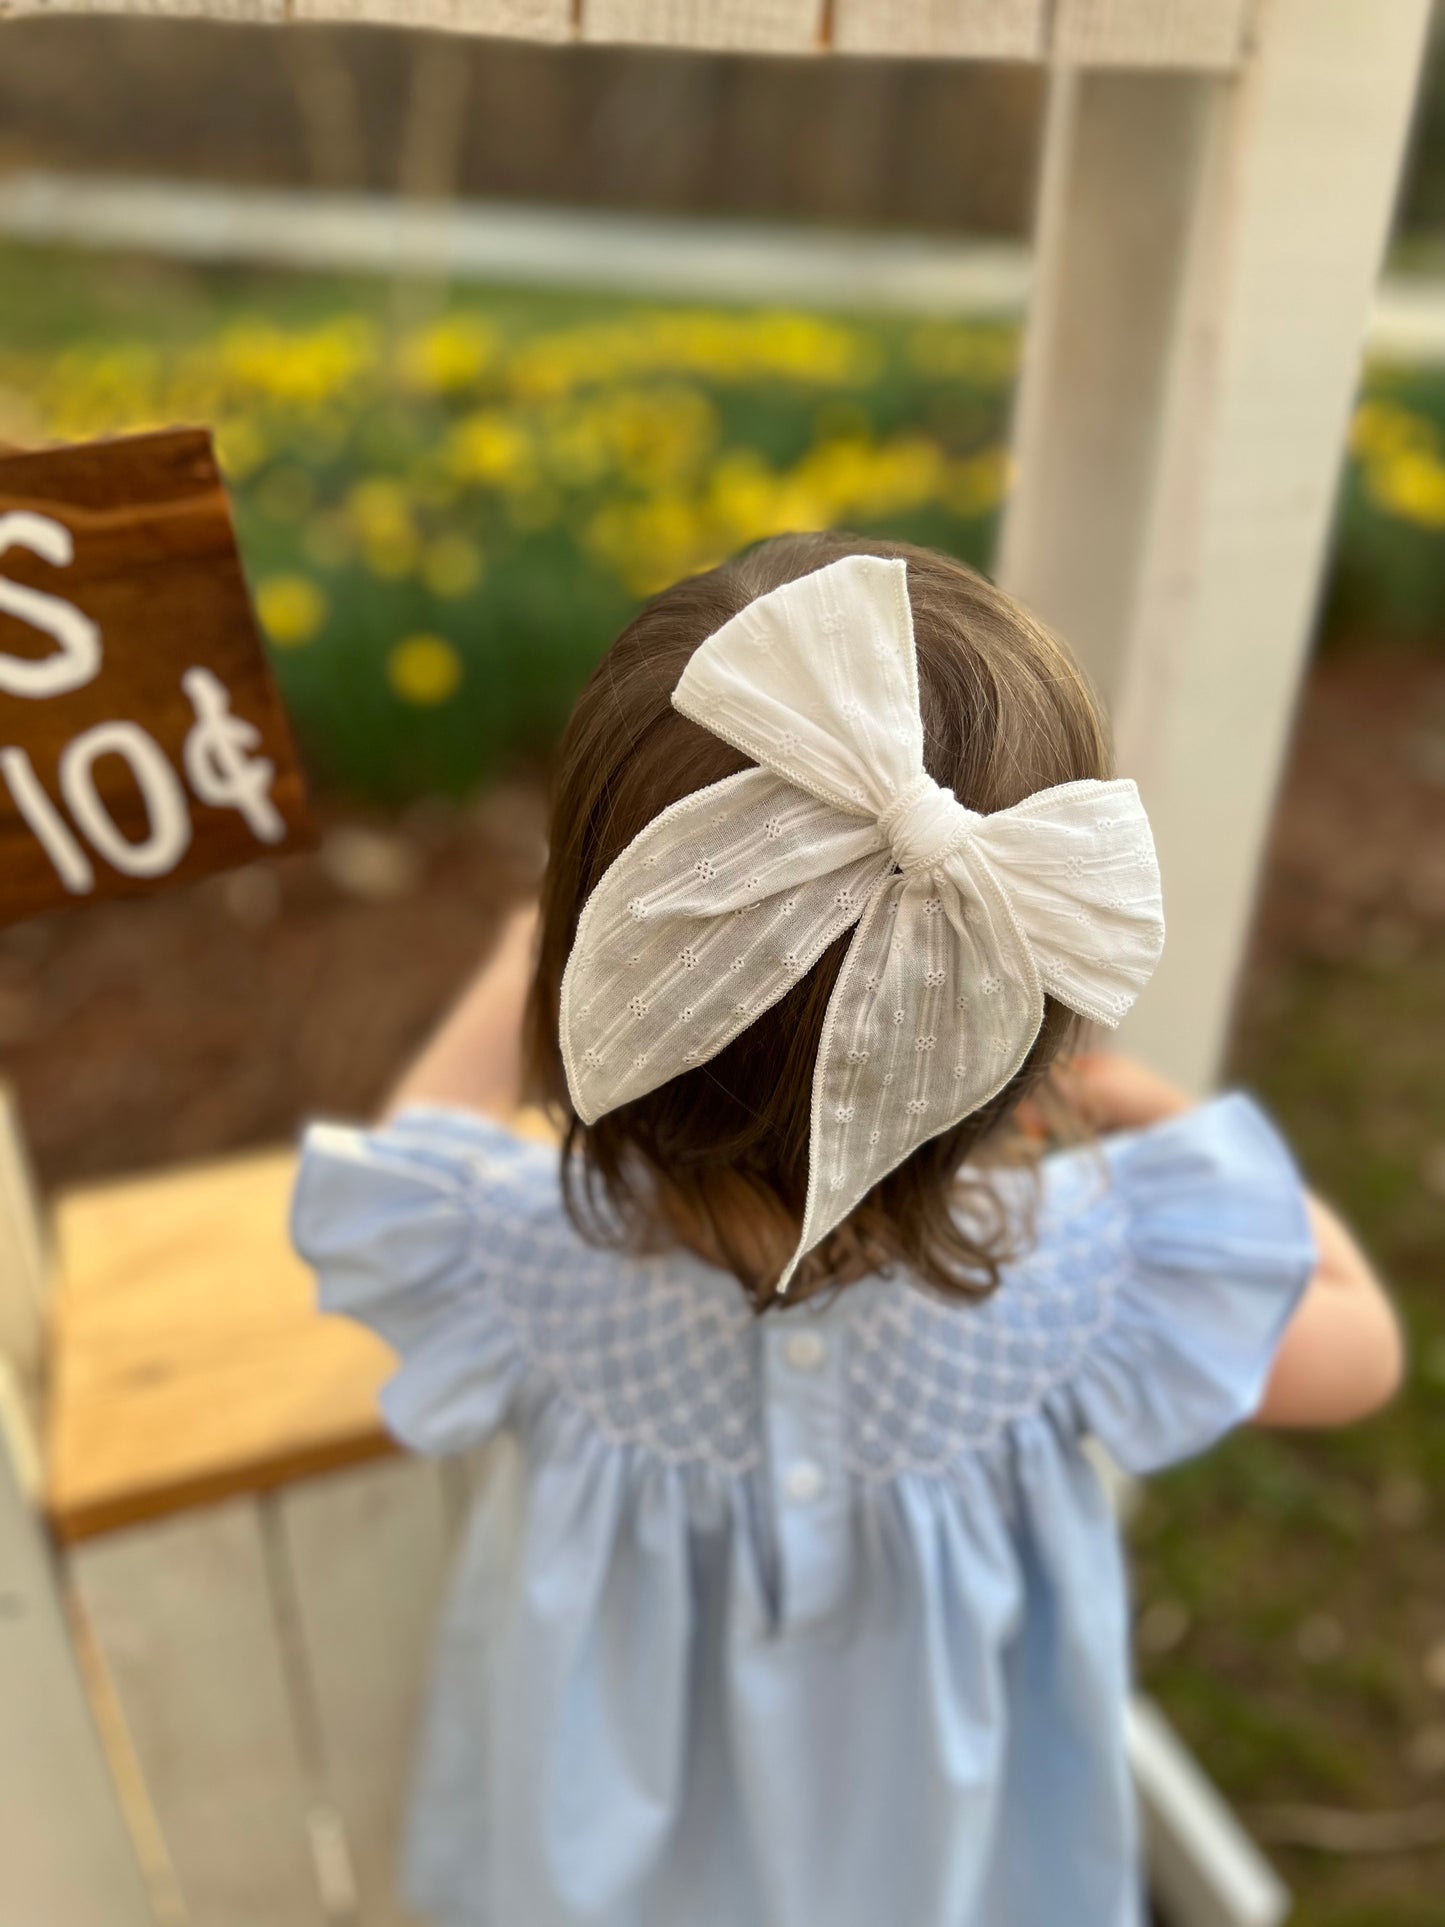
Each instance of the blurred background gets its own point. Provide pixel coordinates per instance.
(684, 303)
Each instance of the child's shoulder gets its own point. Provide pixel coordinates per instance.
(1155, 1273)
(446, 1232)
(1202, 1248)
(1161, 1269)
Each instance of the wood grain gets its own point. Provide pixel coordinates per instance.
(726, 26)
(183, 1616)
(1187, 34)
(514, 19)
(155, 568)
(66, 1859)
(368, 1553)
(22, 1256)
(976, 29)
(1195, 35)
(188, 1361)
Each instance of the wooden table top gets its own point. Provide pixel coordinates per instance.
(188, 1360)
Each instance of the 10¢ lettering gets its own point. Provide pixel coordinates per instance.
(216, 755)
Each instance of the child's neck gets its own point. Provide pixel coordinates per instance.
(752, 1235)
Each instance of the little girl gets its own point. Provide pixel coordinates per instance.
(795, 1600)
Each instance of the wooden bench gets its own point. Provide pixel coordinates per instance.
(257, 1568)
(188, 1365)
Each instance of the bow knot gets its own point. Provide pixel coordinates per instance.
(926, 823)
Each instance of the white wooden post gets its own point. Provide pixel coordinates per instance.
(66, 1858)
(1208, 249)
(22, 1258)
(184, 1618)
(368, 1552)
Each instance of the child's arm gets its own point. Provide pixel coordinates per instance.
(474, 1059)
(1342, 1356)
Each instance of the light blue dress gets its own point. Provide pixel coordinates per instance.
(817, 1620)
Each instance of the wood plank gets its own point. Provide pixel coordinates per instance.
(733, 26)
(142, 740)
(240, 11)
(1201, 34)
(368, 1553)
(182, 1618)
(1217, 565)
(1123, 155)
(1195, 34)
(510, 19)
(971, 29)
(66, 1859)
(190, 1361)
(22, 1261)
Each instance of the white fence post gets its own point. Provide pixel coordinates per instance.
(66, 1857)
(22, 1258)
(1202, 297)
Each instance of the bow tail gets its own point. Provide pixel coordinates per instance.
(935, 1008)
(710, 915)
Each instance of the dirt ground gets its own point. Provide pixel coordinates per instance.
(142, 1032)
(175, 1027)
(1356, 864)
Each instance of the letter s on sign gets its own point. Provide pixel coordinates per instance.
(77, 660)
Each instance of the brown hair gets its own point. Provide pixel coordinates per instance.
(717, 1157)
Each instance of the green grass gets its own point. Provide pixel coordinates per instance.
(1274, 1530)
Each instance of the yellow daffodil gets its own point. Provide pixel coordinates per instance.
(302, 368)
(1380, 430)
(449, 356)
(720, 346)
(491, 447)
(1410, 485)
(424, 670)
(378, 506)
(292, 609)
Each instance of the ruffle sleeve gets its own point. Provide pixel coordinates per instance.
(406, 1227)
(1218, 1251)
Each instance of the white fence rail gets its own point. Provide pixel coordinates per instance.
(1198, 34)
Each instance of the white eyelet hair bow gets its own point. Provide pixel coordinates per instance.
(722, 902)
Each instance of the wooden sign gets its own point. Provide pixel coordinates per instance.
(142, 741)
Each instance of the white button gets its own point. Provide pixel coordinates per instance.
(803, 1481)
(805, 1351)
